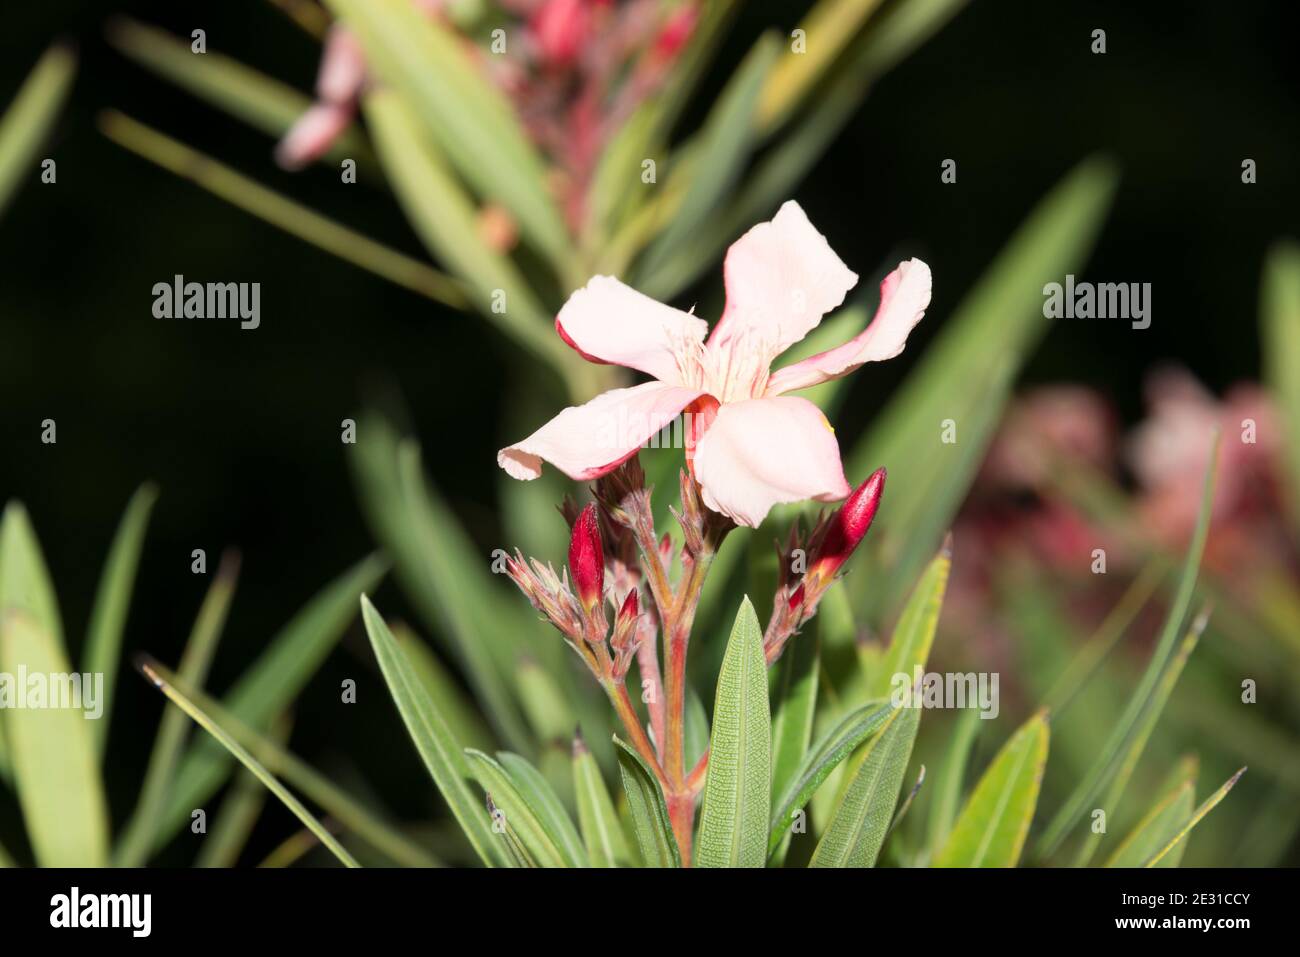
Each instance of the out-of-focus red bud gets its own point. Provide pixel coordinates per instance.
(676, 31)
(587, 558)
(560, 27)
(849, 525)
(631, 607)
(796, 599)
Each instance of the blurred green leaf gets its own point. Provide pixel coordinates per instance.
(103, 650)
(823, 758)
(466, 725)
(1127, 729)
(1280, 352)
(523, 813)
(992, 827)
(712, 170)
(471, 121)
(909, 647)
(246, 759)
(1206, 807)
(264, 103)
(50, 747)
(268, 686)
(138, 839)
(965, 376)
(27, 122)
(1159, 825)
(654, 832)
(738, 786)
(602, 832)
(858, 828)
(1142, 734)
(280, 211)
(795, 696)
(442, 754)
(951, 778)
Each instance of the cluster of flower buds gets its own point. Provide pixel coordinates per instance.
(575, 602)
(832, 541)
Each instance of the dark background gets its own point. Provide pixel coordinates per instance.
(241, 429)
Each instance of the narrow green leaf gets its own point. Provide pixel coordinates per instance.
(992, 827)
(965, 375)
(27, 122)
(1126, 729)
(831, 749)
(440, 685)
(951, 778)
(857, 831)
(695, 730)
(280, 211)
(1280, 352)
(550, 809)
(136, 841)
(1208, 805)
(470, 119)
(909, 647)
(1157, 827)
(654, 831)
(238, 812)
(602, 832)
(108, 616)
(795, 693)
(274, 680)
(264, 103)
(1133, 751)
(442, 754)
(517, 811)
(713, 169)
(251, 763)
(51, 749)
(738, 786)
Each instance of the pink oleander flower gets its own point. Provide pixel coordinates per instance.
(750, 444)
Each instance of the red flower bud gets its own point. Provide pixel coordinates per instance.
(560, 28)
(587, 558)
(848, 526)
(796, 599)
(631, 607)
(676, 31)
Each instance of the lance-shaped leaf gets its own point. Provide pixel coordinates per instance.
(795, 694)
(218, 733)
(550, 809)
(1128, 728)
(950, 780)
(268, 685)
(836, 745)
(108, 616)
(442, 754)
(992, 827)
(909, 646)
(738, 787)
(965, 377)
(1280, 351)
(1160, 824)
(1208, 805)
(53, 756)
(602, 832)
(28, 119)
(529, 813)
(649, 811)
(470, 119)
(858, 828)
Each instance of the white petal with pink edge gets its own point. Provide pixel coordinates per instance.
(781, 278)
(904, 297)
(587, 441)
(764, 452)
(607, 321)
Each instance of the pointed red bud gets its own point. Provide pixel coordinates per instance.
(796, 599)
(849, 525)
(587, 558)
(631, 607)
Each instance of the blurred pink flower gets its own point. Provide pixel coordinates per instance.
(750, 446)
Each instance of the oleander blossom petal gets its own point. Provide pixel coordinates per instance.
(588, 441)
(765, 452)
(748, 446)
